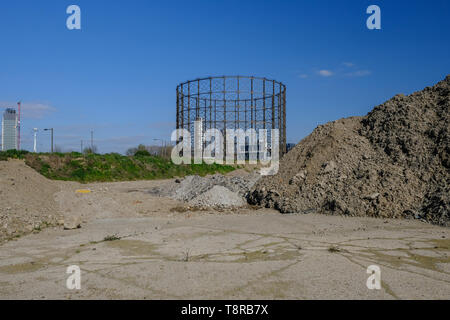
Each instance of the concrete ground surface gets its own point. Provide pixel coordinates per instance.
(249, 255)
(168, 250)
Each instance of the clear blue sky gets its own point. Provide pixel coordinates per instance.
(118, 74)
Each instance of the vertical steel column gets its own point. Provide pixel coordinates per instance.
(210, 103)
(215, 113)
(197, 108)
(264, 103)
(206, 117)
(182, 106)
(251, 103)
(236, 107)
(245, 115)
(279, 109)
(189, 107)
(280, 118)
(236, 115)
(273, 104)
(284, 120)
(178, 110)
(224, 118)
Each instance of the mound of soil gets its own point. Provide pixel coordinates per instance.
(26, 198)
(394, 162)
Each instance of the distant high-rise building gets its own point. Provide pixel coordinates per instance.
(9, 130)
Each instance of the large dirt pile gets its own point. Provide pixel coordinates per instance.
(26, 200)
(393, 162)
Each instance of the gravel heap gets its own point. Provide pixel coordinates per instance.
(220, 198)
(216, 191)
(394, 162)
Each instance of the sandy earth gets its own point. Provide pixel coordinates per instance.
(167, 253)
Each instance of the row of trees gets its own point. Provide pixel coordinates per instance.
(163, 151)
(88, 150)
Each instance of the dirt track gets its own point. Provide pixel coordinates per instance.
(167, 254)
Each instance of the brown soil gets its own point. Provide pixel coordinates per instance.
(29, 202)
(393, 162)
(26, 198)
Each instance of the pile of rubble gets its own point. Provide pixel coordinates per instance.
(394, 162)
(218, 197)
(215, 191)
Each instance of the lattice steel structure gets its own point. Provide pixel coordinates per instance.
(233, 102)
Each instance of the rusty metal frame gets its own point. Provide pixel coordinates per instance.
(226, 101)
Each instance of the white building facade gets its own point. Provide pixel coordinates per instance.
(9, 130)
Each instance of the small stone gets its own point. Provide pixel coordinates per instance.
(73, 223)
(372, 196)
(274, 192)
(299, 177)
(329, 166)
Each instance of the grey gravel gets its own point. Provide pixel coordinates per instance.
(195, 190)
(218, 197)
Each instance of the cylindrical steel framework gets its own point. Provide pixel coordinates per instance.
(233, 102)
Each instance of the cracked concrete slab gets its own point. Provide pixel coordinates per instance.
(235, 256)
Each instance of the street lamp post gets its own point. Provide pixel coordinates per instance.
(162, 150)
(51, 129)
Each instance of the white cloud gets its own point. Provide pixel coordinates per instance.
(359, 73)
(325, 73)
(36, 110)
(30, 110)
(348, 64)
(303, 76)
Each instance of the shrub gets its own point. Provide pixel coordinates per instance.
(141, 153)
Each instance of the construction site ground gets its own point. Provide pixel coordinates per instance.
(133, 244)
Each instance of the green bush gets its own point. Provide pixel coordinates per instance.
(12, 154)
(144, 153)
(111, 167)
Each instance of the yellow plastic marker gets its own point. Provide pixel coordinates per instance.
(83, 191)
